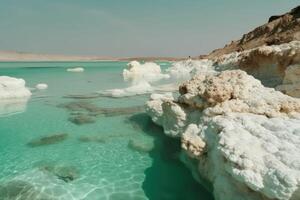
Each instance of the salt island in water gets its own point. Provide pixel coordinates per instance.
(224, 126)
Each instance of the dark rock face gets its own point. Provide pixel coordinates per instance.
(279, 29)
(272, 18)
(296, 12)
(48, 140)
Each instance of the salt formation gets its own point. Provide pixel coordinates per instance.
(140, 77)
(75, 69)
(41, 86)
(184, 70)
(11, 88)
(245, 137)
(266, 63)
(148, 72)
(13, 95)
(148, 77)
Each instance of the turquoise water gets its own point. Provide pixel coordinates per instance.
(69, 143)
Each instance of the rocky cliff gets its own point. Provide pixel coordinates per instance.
(279, 29)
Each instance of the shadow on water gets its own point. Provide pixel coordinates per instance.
(168, 178)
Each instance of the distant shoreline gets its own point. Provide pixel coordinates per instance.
(6, 56)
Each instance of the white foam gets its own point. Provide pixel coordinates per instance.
(75, 69)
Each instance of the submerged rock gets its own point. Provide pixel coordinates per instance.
(142, 145)
(17, 189)
(94, 110)
(81, 96)
(62, 172)
(92, 138)
(82, 119)
(48, 140)
(237, 134)
(79, 106)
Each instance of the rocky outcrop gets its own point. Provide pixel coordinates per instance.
(279, 30)
(238, 125)
(235, 133)
(273, 65)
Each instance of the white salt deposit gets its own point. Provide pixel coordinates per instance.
(76, 69)
(137, 89)
(185, 70)
(41, 86)
(140, 76)
(244, 136)
(12, 88)
(147, 72)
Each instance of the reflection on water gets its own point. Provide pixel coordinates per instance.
(12, 106)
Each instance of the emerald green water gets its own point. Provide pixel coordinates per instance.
(93, 148)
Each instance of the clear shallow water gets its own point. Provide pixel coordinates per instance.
(86, 147)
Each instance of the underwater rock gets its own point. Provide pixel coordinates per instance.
(141, 145)
(92, 138)
(110, 112)
(79, 106)
(17, 189)
(94, 110)
(48, 140)
(62, 172)
(81, 119)
(240, 136)
(81, 96)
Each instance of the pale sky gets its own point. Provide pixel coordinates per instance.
(121, 28)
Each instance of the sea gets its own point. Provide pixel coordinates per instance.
(69, 142)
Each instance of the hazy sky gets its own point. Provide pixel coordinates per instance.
(130, 27)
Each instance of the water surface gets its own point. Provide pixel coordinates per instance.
(69, 143)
